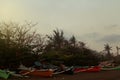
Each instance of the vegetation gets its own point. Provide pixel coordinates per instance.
(19, 43)
(16, 44)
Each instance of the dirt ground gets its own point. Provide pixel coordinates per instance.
(103, 75)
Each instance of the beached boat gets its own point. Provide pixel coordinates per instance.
(112, 68)
(39, 73)
(67, 70)
(3, 74)
(84, 69)
(94, 69)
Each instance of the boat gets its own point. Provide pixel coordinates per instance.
(38, 73)
(94, 69)
(111, 68)
(4, 74)
(116, 68)
(86, 69)
(66, 71)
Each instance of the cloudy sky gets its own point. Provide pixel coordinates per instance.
(95, 22)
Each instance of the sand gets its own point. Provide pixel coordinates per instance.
(103, 75)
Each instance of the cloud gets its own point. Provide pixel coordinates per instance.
(113, 26)
(90, 36)
(114, 38)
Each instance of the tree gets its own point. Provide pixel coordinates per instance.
(108, 48)
(81, 44)
(39, 44)
(73, 41)
(17, 42)
(56, 40)
(117, 50)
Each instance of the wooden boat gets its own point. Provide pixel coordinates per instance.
(83, 69)
(3, 74)
(67, 71)
(94, 69)
(39, 73)
(116, 68)
(111, 68)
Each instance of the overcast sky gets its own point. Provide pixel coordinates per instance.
(95, 22)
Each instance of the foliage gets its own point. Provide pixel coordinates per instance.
(16, 44)
(83, 59)
(20, 44)
(107, 49)
(56, 41)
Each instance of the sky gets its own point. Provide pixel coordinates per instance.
(95, 22)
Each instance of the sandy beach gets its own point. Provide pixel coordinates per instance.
(103, 75)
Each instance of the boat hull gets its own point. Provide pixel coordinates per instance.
(91, 69)
(114, 68)
(39, 73)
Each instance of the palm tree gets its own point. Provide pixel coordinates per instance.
(82, 44)
(117, 50)
(57, 39)
(108, 48)
(73, 41)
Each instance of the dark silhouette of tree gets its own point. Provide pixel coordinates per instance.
(17, 43)
(73, 41)
(38, 44)
(108, 48)
(117, 48)
(56, 40)
(81, 44)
